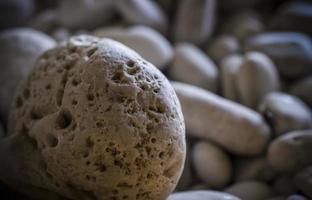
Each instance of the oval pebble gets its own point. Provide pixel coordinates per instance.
(292, 151)
(285, 112)
(235, 127)
(85, 14)
(303, 89)
(229, 70)
(291, 52)
(211, 164)
(253, 169)
(195, 27)
(250, 190)
(303, 181)
(149, 43)
(144, 12)
(256, 77)
(191, 65)
(202, 195)
(223, 46)
(19, 49)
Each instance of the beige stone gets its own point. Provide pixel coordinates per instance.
(291, 151)
(229, 69)
(250, 190)
(233, 126)
(285, 112)
(212, 165)
(194, 21)
(98, 122)
(257, 76)
(19, 50)
(191, 65)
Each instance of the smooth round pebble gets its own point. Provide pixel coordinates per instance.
(194, 27)
(144, 12)
(15, 12)
(212, 165)
(19, 50)
(236, 128)
(85, 14)
(223, 46)
(243, 25)
(229, 69)
(256, 77)
(94, 111)
(303, 89)
(285, 112)
(191, 65)
(292, 151)
(291, 52)
(296, 197)
(284, 185)
(303, 181)
(250, 190)
(202, 195)
(253, 169)
(149, 43)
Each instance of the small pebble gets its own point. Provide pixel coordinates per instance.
(202, 195)
(303, 89)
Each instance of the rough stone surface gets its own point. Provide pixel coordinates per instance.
(91, 111)
(202, 195)
(18, 51)
(233, 126)
(292, 151)
(285, 112)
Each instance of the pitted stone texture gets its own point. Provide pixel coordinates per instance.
(95, 121)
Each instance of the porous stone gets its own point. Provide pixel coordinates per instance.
(191, 65)
(19, 49)
(237, 128)
(291, 152)
(94, 111)
(212, 164)
(285, 112)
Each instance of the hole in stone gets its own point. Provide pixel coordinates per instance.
(130, 63)
(75, 82)
(51, 141)
(153, 140)
(63, 119)
(19, 102)
(91, 51)
(35, 114)
(48, 87)
(74, 102)
(90, 97)
(99, 124)
(26, 93)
